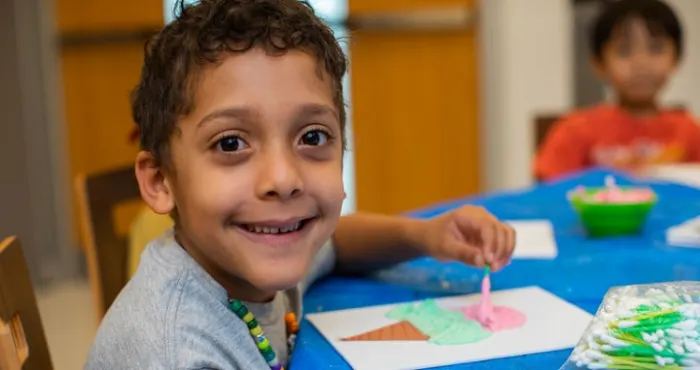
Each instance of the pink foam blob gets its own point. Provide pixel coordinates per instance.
(500, 318)
(616, 195)
(493, 318)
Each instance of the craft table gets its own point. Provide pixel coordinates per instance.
(581, 274)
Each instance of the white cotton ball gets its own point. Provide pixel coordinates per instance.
(660, 360)
(687, 325)
(627, 323)
(689, 363)
(678, 349)
(691, 345)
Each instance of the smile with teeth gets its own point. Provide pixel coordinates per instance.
(261, 229)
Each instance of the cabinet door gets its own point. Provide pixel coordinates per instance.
(414, 102)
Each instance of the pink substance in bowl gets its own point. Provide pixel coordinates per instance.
(623, 196)
(612, 194)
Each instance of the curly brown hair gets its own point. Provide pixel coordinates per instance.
(201, 35)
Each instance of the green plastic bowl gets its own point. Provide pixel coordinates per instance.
(608, 219)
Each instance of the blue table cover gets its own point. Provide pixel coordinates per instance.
(581, 274)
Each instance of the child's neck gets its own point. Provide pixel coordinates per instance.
(638, 109)
(235, 287)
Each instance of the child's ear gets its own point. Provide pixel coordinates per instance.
(156, 189)
(599, 68)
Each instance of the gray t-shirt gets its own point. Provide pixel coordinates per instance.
(173, 315)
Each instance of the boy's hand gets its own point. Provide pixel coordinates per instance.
(471, 235)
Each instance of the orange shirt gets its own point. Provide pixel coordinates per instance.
(607, 136)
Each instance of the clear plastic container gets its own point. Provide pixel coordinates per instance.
(654, 326)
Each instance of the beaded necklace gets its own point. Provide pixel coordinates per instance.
(257, 333)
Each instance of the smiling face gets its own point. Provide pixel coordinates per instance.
(636, 62)
(257, 171)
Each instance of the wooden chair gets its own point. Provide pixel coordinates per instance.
(542, 124)
(107, 253)
(22, 340)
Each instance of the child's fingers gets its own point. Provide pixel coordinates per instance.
(512, 238)
(467, 254)
(504, 241)
(501, 243)
(478, 260)
(507, 244)
(489, 238)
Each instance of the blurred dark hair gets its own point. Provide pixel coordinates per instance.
(658, 16)
(202, 34)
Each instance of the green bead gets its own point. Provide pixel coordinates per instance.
(235, 304)
(256, 331)
(248, 317)
(239, 308)
(252, 324)
(263, 344)
(269, 356)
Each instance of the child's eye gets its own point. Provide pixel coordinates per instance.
(230, 144)
(315, 137)
(656, 47)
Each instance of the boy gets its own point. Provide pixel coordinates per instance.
(636, 47)
(241, 118)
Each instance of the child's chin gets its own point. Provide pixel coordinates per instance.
(278, 280)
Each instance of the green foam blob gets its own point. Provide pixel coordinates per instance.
(444, 327)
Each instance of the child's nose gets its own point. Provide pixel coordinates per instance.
(279, 177)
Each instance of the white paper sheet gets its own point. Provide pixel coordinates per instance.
(552, 324)
(534, 239)
(687, 174)
(686, 234)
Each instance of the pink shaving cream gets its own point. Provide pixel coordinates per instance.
(613, 194)
(493, 318)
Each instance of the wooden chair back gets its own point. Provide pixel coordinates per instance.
(542, 125)
(107, 252)
(23, 343)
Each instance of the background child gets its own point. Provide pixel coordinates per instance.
(636, 46)
(242, 123)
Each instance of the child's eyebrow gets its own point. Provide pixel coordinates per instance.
(241, 113)
(246, 114)
(314, 110)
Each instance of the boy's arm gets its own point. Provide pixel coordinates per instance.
(565, 150)
(363, 242)
(366, 242)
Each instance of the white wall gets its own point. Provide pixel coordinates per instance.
(685, 87)
(34, 190)
(527, 67)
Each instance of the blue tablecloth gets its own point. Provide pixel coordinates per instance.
(581, 274)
